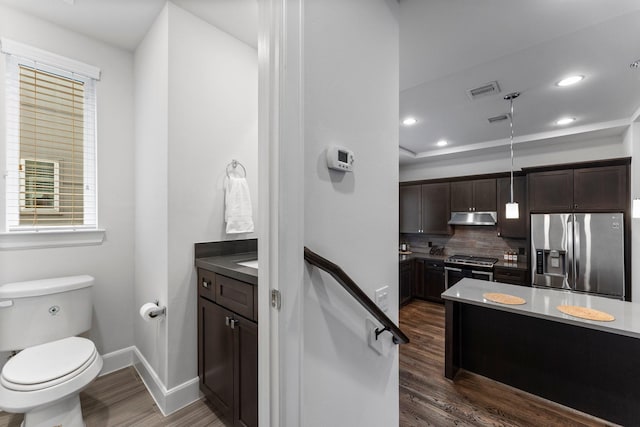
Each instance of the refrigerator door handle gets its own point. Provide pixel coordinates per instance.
(576, 251)
(570, 255)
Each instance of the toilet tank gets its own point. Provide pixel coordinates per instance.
(40, 311)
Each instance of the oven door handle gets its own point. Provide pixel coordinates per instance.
(484, 273)
(452, 268)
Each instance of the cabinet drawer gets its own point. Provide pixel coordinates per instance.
(236, 296)
(206, 281)
(509, 275)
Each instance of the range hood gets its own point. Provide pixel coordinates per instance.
(473, 218)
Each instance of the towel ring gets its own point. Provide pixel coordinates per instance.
(234, 164)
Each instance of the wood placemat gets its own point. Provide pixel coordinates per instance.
(586, 313)
(504, 298)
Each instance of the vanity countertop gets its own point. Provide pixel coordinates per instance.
(227, 265)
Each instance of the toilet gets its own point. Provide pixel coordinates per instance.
(41, 318)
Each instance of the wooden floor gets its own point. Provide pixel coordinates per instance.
(427, 398)
(121, 399)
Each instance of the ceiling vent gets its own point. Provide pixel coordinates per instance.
(499, 118)
(486, 89)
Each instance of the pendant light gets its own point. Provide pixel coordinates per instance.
(512, 210)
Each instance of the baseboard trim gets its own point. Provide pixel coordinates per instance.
(168, 400)
(117, 360)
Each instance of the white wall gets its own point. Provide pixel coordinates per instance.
(196, 107)
(213, 118)
(632, 141)
(111, 263)
(151, 193)
(350, 98)
(528, 154)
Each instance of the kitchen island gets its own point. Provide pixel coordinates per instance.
(588, 365)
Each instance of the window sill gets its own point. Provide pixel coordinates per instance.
(50, 239)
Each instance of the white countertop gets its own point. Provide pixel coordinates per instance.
(542, 303)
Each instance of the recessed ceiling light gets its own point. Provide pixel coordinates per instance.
(571, 80)
(565, 121)
(441, 143)
(409, 121)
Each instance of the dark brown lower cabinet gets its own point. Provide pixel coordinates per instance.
(406, 281)
(216, 356)
(510, 275)
(429, 280)
(228, 360)
(434, 278)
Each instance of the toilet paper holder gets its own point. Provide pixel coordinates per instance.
(160, 311)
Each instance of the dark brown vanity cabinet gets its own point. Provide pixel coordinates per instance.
(473, 196)
(512, 228)
(425, 208)
(589, 189)
(228, 346)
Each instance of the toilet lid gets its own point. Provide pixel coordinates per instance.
(48, 364)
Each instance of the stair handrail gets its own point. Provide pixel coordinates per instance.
(356, 292)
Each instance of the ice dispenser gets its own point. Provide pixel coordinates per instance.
(551, 262)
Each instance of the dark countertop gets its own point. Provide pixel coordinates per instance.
(422, 255)
(520, 265)
(227, 266)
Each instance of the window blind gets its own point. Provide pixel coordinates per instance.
(51, 155)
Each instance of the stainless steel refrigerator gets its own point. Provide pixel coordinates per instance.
(579, 252)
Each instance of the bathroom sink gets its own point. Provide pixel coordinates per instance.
(251, 263)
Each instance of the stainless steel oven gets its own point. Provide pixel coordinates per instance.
(458, 267)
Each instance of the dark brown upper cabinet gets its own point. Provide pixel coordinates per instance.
(425, 208)
(600, 188)
(551, 191)
(473, 196)
(590, 189)
(410, 208)
(512, 228)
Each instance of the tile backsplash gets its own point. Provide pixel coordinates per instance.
(468, 240)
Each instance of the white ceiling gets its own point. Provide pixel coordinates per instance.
(449, 46)
(123, 23)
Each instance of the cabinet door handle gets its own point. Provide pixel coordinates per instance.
(227, 320)
(233, 323)
(205, 284)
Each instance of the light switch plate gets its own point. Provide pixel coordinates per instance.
(382, 298)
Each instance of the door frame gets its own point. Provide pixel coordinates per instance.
(281, 213)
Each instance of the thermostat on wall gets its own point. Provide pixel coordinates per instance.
(340, 158)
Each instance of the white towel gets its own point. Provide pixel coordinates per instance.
(237, 203)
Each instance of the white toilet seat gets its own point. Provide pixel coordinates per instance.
(73, 382)
(49, 364)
